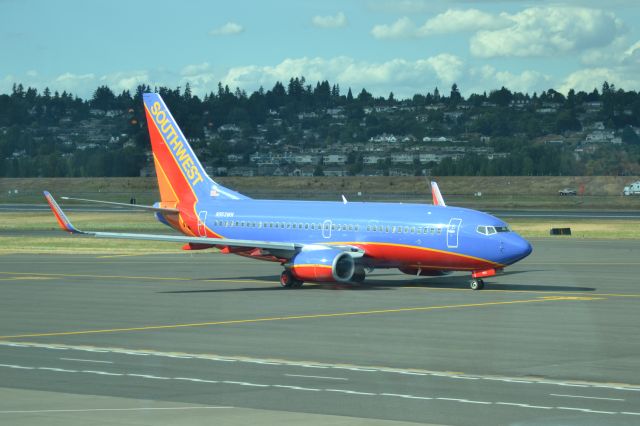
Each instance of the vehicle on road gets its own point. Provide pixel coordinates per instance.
(314, 241)
(567, 191)
(632, 189)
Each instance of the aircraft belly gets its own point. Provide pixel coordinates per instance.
(395, 255)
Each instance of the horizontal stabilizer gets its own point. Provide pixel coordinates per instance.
(133, 206)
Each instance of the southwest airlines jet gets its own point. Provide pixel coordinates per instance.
(314, 241)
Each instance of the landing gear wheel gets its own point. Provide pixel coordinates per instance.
(287, 280)
(476, 284)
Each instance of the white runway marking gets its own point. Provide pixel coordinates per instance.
(316, 377)
(87, 360)
(587, 397)
(103, 373)
(300, 388)
(319, 365)
(87, 410)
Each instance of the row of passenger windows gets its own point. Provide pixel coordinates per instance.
(334, 227)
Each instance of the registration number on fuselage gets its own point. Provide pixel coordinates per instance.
(224, 214)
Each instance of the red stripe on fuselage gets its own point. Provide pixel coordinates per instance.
(404, 255)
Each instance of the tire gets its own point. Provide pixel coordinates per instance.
(476, 284)
(286, 279)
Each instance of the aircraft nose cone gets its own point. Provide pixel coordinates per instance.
(517, 249)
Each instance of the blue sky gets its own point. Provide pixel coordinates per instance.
(402, 46)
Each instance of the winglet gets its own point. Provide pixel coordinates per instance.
(437, 196)
(62, 219)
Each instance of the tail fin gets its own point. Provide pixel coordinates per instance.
(437, 196)
(181, 177)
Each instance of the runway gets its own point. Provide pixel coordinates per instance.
(202, 338)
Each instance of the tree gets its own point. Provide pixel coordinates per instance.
(103, 98)
(455, 98)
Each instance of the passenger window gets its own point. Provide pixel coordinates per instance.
(387, 230)
(399, 229)
(439, 230)
(406, 229)
(413, 230)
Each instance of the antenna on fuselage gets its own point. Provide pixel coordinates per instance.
(344, 199)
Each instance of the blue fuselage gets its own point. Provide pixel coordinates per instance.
(392, 234)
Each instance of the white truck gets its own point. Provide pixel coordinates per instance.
(632, 189)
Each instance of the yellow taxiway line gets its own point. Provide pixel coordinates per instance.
(292, 317)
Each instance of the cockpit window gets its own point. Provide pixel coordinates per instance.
(490, 230)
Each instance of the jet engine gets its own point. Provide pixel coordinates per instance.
(323, 265)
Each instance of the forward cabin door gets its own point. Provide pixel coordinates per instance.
(452, 232)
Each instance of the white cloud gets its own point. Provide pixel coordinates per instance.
(74, 83)
(454, 20)
(338, 21)
(587, 79)
(230, 28)
(548, 31)
(120, 81)
(199, 76)
(486, 78)
(402, 28)
(451, 21)
(403, 77)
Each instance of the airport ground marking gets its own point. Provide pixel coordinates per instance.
(92, 410)
(282, 318)
(46, 275)
(349, 392)
(315, 364)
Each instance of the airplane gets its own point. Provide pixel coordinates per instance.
(314, 241)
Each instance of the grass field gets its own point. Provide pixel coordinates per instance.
(525, 192)
(37, 232)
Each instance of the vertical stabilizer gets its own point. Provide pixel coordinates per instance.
(181, 177)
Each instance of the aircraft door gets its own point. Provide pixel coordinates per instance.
(326, 229)
(452, 232)
(202, 220)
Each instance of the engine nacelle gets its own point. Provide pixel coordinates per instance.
(323, 265)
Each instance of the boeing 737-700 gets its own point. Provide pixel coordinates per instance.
(314, 241)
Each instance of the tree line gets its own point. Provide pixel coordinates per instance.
(298, 114)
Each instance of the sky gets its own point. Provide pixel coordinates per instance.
(402, 46)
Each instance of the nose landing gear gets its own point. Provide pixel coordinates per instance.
(476, 284)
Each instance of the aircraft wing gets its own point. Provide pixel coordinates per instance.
(284, 250)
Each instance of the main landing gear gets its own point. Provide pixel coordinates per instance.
(476, 284)
(287, 280)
